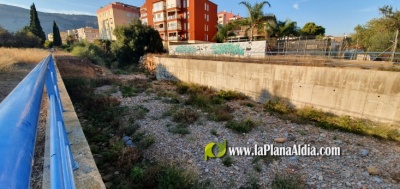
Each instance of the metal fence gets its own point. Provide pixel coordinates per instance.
(19, 114)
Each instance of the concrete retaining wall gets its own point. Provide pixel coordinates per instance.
(368, 94)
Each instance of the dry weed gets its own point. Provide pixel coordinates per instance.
(10, 56)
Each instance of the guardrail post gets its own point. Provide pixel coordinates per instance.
(62, 163)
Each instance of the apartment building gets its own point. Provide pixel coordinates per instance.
(115, 14)
(225, 17)
(63, 35)
(181, 20)
(88, 33)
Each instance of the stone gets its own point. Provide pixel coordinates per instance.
(236, 168)
(116, 173)
(107, 177)
(364, 152)
(190, 161)
(346, 174)
(323, 135)
(348, 184)
(373, 170)
(206, 170)
(280, 140)
(108, 184)
(376, 179)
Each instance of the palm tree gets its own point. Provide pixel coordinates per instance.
(224, 31)
(257, 18)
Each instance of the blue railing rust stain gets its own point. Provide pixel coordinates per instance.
(19, 115)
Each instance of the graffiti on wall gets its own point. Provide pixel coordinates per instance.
(227, 49)
(249, 49)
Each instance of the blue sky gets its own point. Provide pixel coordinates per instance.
(339, 17)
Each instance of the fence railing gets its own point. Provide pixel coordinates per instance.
(19, 115)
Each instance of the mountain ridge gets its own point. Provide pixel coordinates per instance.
(14, 18)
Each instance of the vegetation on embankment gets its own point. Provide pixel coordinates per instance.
(283, 109)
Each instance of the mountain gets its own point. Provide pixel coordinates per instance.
(15, 18)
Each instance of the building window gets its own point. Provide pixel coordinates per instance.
(208, 18)
(188, 15)
(205, 16)
(208, 7)
(184, 26)
(128, 14)
(205, 6)
(188, 26)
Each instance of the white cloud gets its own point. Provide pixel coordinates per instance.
(296, 6)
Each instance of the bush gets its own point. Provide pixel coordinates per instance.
(93, 53)
(287, 181)
(231, 95)
(227, 161)
(172, 176)
(48, 44)
(185, 115)
(220, 114)
(179, 129)
(280, 106)
(243, 126)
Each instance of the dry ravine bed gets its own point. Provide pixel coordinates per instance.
(172, 125)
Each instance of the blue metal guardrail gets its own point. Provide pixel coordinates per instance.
(19, 114)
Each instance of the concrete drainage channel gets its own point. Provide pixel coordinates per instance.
(87, 176)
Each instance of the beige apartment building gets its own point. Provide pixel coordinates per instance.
(63, 35)
(115, 14)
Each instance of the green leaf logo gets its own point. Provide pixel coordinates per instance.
(208, 150)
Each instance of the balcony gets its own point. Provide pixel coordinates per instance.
(179, 27)
(174, 6)
(143, 14)
(172, 17)
(160, 29)
(162, 19)
(174, 38)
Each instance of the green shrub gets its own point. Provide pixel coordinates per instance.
(243, 126)
(227, 161)
(231, 95)
(185, 115)
(280, 106)
(173, 176)
(179, 129)
(221, 113)
(127, 91)
(288, 181)
(139, 112)
(147, 141)
(137, 173)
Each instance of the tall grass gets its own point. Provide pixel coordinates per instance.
(10, 56)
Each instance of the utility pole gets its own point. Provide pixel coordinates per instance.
(394, 45)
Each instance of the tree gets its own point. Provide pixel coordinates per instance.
(257, 19)
(56, 35)
(35, 26)
(392, 22)
(223, 32)
(133, 41)
(378, 33)
(311, 29)
(286, 28)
